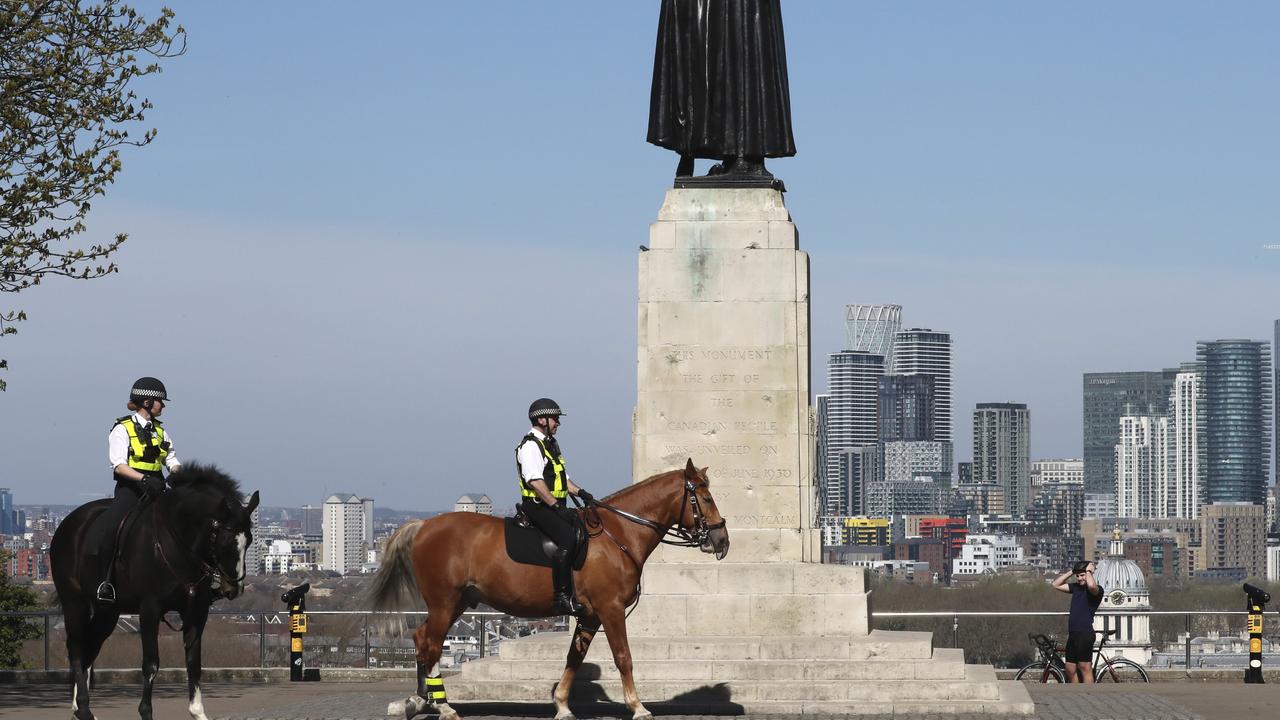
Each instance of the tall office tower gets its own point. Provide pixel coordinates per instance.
(312, 522)
(820, 452)
(7, 519)
(368, 523)
(906, 408)
(870, 328)
(345, 542)
(851, 415)
(1234, 420)
(1001, 452)
(1275, 389)
(1141, 477)
(1105, 397)
(921, 351)
(964, 473)
(1181, 496)
(1068, 471)
(856, 469)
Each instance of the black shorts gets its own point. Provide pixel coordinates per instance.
(1080, 646)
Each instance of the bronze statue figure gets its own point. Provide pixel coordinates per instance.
(720, 89)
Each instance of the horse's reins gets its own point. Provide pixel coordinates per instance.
(685, 538)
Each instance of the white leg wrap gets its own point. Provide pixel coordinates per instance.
(196, 708)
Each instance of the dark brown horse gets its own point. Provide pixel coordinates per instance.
(185, 549)
(458, 560)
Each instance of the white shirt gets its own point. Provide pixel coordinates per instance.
(118, 445)
(532, 462)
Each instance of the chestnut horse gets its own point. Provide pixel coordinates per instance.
(458, 560)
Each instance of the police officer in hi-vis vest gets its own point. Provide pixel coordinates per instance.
(138, 448)
(544, 491)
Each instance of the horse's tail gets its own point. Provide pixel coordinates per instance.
(393, 586)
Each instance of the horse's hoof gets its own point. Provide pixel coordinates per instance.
(643, 715)
(566, 715)
(447, 713)
(408, 708)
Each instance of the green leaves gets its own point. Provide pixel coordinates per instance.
(65, 108)
(14, 630)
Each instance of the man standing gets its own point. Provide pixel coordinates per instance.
(1086, 596)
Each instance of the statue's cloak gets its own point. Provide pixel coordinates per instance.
(720, 80)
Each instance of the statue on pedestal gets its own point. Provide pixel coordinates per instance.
(720, 90)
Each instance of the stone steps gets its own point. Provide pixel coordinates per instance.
(979, 684)
(878, 644)
(946, 665)
(883, 672)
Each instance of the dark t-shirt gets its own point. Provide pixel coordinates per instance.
(1083, 605)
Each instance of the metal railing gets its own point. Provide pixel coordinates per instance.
(358, 642)
(1187, 615)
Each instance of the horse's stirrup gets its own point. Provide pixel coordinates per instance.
(106, 592)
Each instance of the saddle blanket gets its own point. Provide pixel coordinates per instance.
(528, 546)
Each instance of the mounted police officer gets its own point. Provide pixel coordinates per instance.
(544, 491)
(139, 449)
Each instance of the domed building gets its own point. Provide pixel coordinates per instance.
(1124, 590)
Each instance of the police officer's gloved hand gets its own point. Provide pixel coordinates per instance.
(153, 485)
(585, 496)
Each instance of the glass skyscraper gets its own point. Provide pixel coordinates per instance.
(1107, 396)
(851, 417)
(1235, 412)
(921, 351)
(906, 408)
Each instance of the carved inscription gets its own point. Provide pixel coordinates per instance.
(765, 520)
(707, 427)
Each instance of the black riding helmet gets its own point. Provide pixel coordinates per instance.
(147, 388)
(544, 407)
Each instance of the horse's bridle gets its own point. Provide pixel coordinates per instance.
(207, 563)
(697, 537)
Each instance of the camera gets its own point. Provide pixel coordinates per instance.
(291, 597)
(1257, 595)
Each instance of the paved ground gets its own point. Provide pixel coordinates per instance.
(368, 701)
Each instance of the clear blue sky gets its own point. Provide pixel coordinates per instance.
(368, 235)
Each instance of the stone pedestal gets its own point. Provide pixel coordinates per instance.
(724, 365)
(724, 379)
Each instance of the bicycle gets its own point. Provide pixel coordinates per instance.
(1052, 668)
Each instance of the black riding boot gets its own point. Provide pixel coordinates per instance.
(127, 498)
(566, 600)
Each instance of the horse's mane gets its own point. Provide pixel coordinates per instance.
(624, 492)
(197, 477)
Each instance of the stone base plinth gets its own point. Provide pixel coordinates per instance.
(760, 598)
(878, 673)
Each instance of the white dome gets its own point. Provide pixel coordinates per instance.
(1119, 573)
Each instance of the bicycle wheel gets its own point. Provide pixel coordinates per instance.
(1039, 672)
(1121, 670)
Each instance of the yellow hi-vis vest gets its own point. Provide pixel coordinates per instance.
(552, 472)
(146, 455)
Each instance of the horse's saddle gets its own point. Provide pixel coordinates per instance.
(528, 546)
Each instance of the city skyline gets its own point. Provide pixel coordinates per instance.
(1019, 205)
